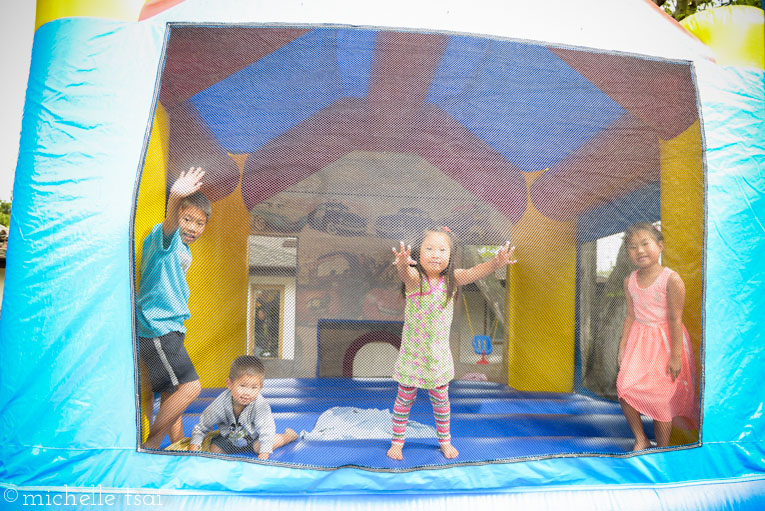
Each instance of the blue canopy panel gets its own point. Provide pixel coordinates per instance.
(521, 99)
(541, 122)
(642, 205)
(260, 102)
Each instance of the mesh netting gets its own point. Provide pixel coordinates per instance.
(323, 148)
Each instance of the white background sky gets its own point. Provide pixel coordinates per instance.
(17, 24)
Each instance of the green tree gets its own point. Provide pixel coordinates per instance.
(5, 213)
(680, 9)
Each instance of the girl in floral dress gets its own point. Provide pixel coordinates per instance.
(425, 360)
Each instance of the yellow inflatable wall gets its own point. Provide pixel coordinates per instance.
(542, 340)
(218, 277)
(682, 222)
(218, 280)
(125, 10)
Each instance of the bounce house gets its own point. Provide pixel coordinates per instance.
(328, 134)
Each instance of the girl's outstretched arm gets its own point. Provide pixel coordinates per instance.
(675, 305)
(403, 263)
(628, 320)
(479, 271)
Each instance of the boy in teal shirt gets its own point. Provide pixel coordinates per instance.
(162, 305)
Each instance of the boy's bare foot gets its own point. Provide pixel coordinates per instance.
(288, 436)
(449, 451)
(396, 452)
(152, 443)
(641, 444)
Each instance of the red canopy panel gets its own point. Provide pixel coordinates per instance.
(349, 125)
(198, 57)
(467, 159)
(403, 67)
(621, 159)
(308, 147)
(191, 144)
(657, 92)
(154, 7)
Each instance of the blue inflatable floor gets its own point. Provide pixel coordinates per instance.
(490, 422)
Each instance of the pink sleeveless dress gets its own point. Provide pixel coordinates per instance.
(643, 381)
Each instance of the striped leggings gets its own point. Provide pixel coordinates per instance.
(439, 398)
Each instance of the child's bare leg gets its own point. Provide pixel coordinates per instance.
(217, 450)
(170, 410)
(280, 440)
(662, 430)
(176, 431)
(636, 425)
(285, 438)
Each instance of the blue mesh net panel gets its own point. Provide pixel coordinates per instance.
(324, 148)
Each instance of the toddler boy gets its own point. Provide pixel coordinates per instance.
(242, 415)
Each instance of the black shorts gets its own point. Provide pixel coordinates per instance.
(167, 361)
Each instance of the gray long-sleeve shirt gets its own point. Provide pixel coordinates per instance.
(256, 419)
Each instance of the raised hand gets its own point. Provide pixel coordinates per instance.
(404, 265)
(506, 255)
(188, 182)
(503, 258)
(404, 256)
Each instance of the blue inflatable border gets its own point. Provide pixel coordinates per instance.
(67, 387)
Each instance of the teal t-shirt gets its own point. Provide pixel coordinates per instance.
(162, 305)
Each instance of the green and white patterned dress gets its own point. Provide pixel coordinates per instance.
(425, 360)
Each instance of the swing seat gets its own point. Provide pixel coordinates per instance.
(482, 344)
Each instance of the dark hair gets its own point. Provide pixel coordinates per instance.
(447, 273)
(246, 365)
(643, 226)
(199, 201)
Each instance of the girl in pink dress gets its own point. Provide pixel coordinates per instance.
(656, 365)
(425, 360)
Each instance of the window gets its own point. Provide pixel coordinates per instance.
(271, 302)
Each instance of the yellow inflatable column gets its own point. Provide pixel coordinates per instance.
(734, 32)
(218, 280)
(150, 210)
(682, 224)
(541, 298)
(125, 10)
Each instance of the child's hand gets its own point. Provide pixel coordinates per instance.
(188, 182)
(193, 447)
(673, 367)
(505, 255)
(264, 455)
(404, 256)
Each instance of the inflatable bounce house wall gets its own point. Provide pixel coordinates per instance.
(328, 133)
